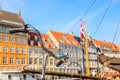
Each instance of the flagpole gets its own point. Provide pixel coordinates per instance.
(85, 37)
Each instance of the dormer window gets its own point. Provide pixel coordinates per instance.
(61, 40)
(68, 41)
(28, 36)
(38, 43)
(31, 42)
(35, 38)
(64, 37)
(75, 42)
(46, 45)
(53, 45)
(49, 40)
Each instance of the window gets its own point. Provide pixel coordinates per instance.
(30, 50)
(18, 50)
(35, 60)
(40, 61)
(46, 45)
(11, 49)
(6, 38)
(0, 48)
(35, 38)
(17, 60)
(23, 60)
(40, 51)
(30, 60)
(18, 40)
(24, 41)
(12, 39)
(23, 50)
(11, 60)
(51, 61)
(0, 37)
(5, 49)
(36, 51)
(31, 42)
(38, 43)
(4, 60)
(49, 40)
(28, 36)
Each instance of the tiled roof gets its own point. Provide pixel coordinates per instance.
(64, 38)
(103, 44)
(9, 17)
(47, 41)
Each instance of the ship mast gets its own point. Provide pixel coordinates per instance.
(86, 47)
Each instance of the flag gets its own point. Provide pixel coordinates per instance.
(82, 34)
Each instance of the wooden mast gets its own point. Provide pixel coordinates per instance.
(86, 47)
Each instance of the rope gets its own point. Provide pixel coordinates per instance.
(116, 32)
(82, 16)
(102, 18)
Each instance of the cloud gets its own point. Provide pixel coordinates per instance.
(11, 5)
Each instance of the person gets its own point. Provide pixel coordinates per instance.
(94, 72)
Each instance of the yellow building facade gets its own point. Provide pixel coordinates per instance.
(13, 47)
(13, 52)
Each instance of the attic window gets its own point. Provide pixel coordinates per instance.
(49, 40)
(75, 42)
(53, 45)
(68, 41)
(35, 38)
(64, 37)
(105, 47)
(46, 45)
(38, 43)
(61, 40)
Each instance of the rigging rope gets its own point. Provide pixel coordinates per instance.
(102, 19)
(116, 32)
(82, 16)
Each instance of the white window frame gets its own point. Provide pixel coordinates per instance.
(5, 49)
(4, 60)
(11, 60)
(6, 38)
(11, 49)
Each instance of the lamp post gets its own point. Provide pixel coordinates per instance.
(26, 29)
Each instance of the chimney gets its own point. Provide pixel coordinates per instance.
(72, 33)
(19, 13)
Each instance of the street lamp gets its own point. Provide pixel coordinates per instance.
(26, 29)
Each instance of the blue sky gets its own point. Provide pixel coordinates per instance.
(61, 15)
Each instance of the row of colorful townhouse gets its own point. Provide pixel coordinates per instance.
(19, 50)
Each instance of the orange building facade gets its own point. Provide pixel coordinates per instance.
(13, 47)
(13, 52)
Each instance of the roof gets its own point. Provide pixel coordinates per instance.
(106, 45)
(11, 19)
(64, 38)
(112, 62)
(47, 41)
